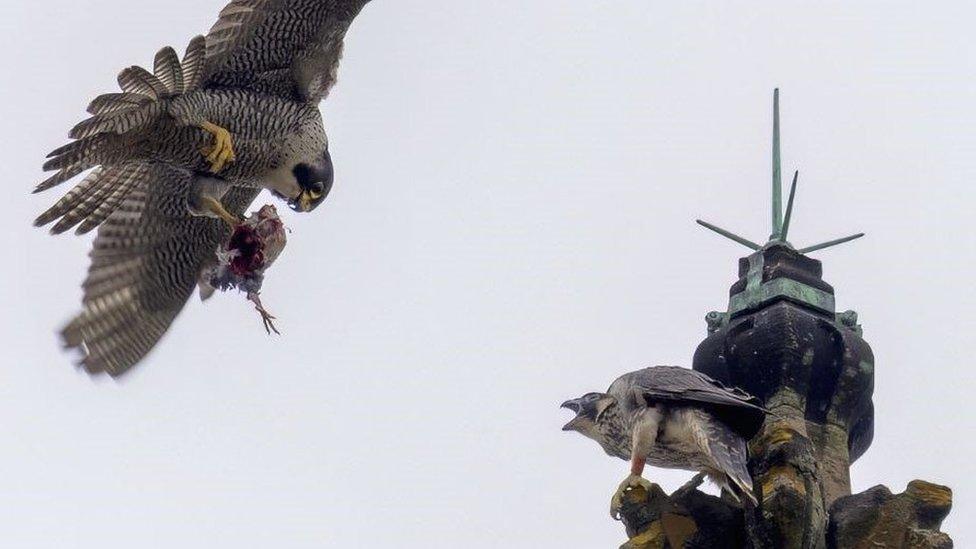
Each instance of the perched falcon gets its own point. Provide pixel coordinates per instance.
(181, 152)
(673, 418)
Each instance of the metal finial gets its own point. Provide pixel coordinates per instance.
(830, 243)
(777, 177)
(730, 235)
(781, 224)
(785, 231)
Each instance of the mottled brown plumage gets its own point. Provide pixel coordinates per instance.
(674, 418)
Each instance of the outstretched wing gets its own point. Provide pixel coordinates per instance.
(673, 384)
(145, 263)
(284, 47)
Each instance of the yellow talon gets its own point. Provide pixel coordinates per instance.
(617, 502)
(221, 152)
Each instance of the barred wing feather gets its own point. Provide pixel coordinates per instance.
(289, 48)
(145, 263)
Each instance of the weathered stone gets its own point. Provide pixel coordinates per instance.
(927, 539)
(779, 340)
(877, 518)
(692, 520)
(782, 340)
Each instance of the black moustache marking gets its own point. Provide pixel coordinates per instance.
(303, 175)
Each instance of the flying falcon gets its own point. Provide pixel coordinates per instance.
(181, 152)
(673, 418)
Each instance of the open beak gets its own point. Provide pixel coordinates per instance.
(575, 406)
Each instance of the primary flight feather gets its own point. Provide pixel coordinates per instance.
(179, 155)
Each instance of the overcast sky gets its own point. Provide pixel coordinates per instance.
(512, 225)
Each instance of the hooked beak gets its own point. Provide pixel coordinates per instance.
(575, 406)
(305, 201)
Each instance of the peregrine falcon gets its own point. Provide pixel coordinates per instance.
(674, 418)
(181, 152)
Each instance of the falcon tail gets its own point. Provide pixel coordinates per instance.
(728, 453)
(740, 486)
(118, 123)
(730, 458)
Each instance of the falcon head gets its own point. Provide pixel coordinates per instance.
(313, 179)
(590, 412)
(598, 418)
(303, 174)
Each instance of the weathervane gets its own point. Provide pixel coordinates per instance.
(780, 223)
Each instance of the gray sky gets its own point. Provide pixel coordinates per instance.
(512, 225)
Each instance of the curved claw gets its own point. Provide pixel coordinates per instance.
(268, 321)
(617, 502)
(221, 152)
(266, 317)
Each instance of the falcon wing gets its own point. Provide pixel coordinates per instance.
(289, 48)
(725, 449)
(145, 263)
(672, 384)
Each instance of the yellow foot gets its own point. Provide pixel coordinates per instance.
(214, 206)
(633, 481)
(221, 152)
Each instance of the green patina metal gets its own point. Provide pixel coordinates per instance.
(785, 230)
(777, 175)
(731, 236)
(758, 293)
(780, 224)
(830, 243)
